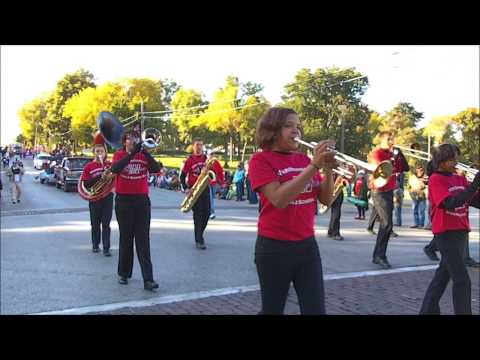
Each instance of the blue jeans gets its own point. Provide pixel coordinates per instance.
(418, 207)
(239, 187)
(397, 206)
(212, 191)
(251, 195)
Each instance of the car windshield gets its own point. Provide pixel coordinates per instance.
(77, 163)
(44, 157)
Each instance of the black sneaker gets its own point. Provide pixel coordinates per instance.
(470, 262)
(382, 262)
(393, 234)
(107, 253)
(18, 201)
(95, 249)
(338, 237)
(150, 285)
(122, 280)
(431, 254)
(200, 246)
(13, 202)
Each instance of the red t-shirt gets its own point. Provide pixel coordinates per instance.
(133, 178)
(192, 168)
(358, 186)
(376, 157)
(93, 169)
(439, 188)
(296, 221)
(217, 168)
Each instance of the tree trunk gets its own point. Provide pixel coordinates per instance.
(244, 149)
(225, 146)
(231, 148)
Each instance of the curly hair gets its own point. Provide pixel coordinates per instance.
(270, 125)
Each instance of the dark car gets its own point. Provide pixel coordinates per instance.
(69, 171)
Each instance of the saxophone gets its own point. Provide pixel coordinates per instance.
(337, 189)
(202, 182)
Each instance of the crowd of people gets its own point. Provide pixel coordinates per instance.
(235, 185)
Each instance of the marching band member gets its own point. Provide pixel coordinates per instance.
(289, 185)
(133, 207)
(100, 210)
(188, 177)
(383, 198)
(450, 196)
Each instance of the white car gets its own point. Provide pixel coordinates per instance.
(41, 161)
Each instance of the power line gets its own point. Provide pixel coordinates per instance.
(212, 112)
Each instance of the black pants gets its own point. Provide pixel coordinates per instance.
(373, 217)
(280, 263)
(133, 216)
(452, 265)
(383, 202)
(201, 214)
(432, 246)
(101, 214)
(336, 212)
(360, 211)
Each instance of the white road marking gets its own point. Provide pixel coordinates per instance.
(217, 292)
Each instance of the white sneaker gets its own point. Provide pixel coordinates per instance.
(212, 216)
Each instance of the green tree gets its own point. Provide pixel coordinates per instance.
(32, 116)
(221, 114)
(20, 139)
(70, 85)
(440, 129)
(468, 124)
(402, 121)
(186, 105)
(253, 108)
(327, 97)
(84, 108)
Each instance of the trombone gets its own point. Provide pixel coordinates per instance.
(469, 171)
(381, 173)
(419, 154)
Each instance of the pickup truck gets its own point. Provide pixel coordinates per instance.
(68, 172)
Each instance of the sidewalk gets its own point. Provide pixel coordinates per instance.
(388, 294)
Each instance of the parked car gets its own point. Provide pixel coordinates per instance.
(47, 176)
(41, 161)
(68, 172)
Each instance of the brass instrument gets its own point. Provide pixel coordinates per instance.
(200, 185)
(112, 130)
(469, 171)
(337, 187)
(381, 173)
(418, 154)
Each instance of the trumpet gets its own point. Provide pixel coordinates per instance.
(381, 173)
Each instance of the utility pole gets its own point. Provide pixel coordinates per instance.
(36, 128)
(429, 157)
(342, 109)
(141, 112)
